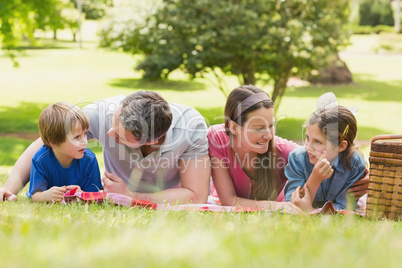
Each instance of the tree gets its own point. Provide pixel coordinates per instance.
(376, 12)
(93, 9)
(70, 16)
(248, 38)
(20, 18)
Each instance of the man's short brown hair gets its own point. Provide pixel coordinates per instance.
(57, 120)
(147, 115)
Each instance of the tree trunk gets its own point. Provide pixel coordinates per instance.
(249, 75)
(54, 34)
(279, 88)
(74, 35)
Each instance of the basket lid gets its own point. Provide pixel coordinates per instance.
(387, 144)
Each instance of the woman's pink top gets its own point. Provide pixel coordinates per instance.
(219, 147)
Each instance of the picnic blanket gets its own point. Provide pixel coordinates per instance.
(123, 200)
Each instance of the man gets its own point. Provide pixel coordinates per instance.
(152, 150)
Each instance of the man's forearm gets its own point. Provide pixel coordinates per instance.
(176, 195)
(19, 175)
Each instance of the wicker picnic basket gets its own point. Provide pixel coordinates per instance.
(385, 185)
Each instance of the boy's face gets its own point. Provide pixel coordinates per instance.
(75, 144)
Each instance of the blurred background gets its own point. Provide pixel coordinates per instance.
(194, 53)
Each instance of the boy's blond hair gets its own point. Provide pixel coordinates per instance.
(58, 120)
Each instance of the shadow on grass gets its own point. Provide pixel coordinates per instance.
(144, 84)
(49, 43)
(292, 129)
(11, 149)
(363, 88)
(23, 118)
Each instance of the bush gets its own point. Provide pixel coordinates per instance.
(365, 29)
(93, 9)
(376, 12)
(389, 43)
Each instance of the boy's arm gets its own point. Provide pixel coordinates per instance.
(54, 194)
(19, 175)
(93, 177)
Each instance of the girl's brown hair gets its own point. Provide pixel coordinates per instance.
(337, 124)
(264, 187)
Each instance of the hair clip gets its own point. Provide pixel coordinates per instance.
(345, 132)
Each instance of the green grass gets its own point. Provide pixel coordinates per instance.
(11, 149)
(54, 235)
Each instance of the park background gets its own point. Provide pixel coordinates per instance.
(48, 235)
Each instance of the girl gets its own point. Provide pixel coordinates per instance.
(247, 159)
(328, 164)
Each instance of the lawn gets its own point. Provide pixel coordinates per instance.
(50, 235)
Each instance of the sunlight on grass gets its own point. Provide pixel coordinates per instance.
(92, 235)
(107, 235)
(11, 149)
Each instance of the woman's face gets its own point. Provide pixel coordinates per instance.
(257, 131)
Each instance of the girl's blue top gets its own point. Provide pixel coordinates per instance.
(334, 189)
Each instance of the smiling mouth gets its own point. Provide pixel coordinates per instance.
(262, 143)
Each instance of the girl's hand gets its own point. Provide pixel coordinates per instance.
(55, 194)
(71, 187)
(303, 202)
(322, 169)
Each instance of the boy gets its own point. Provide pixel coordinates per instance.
(63, 162)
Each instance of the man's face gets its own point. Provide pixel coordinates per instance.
(120, 134)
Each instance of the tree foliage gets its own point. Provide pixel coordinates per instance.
(20, 18)
(93, 9)
(248, 38)
(376, 12)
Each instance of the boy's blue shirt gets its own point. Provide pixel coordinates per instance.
(47, 172)
(334, 189)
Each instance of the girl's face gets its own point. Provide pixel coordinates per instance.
(316, 144)
(257, 131)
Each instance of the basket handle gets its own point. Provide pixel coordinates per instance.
(386, 137)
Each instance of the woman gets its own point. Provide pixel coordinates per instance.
(247, 159)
